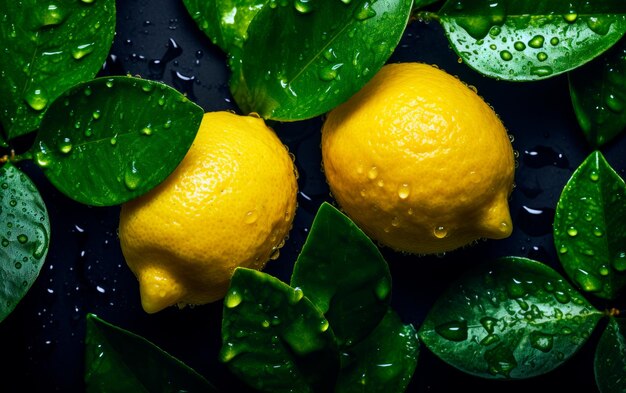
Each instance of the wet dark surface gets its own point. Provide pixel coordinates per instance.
(42, 340)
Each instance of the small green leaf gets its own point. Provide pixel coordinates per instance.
(513, 318)
(590, 228)
(343, 273)
(120, 361)
(529, 40)
(109, 140)
(274, 338)
(303, 58)
(384, 362)
(48, 47)
(598, 91)
(610, 359)
(24, 245)
(225, 22)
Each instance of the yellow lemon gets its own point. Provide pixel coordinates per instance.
(419, 161)
(229, 203)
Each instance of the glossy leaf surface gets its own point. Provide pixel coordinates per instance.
(25, 238)
(512, 318)
(598, 91)
(274, 338)
(343, 273)
(530, 40)
(109, 140)
(383, 362)
(590, 228)
(610, 359)
(225, 22)
(303, 58)
(118, 361)
(47, 47)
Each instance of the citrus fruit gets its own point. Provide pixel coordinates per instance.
(419, 161)
(229, 203)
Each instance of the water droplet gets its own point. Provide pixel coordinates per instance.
(22, 238)
(561, 296)
(599, 24)
(131, 177)
(535, 221)
(113, 141)
(614, 103)
(500, 360)
(572, 231)
(542, 56)
(109, 83)
(489, 339)
(297, 295)
(495, 31)
(506, 55)
(372, 173)
(453, 330)
(96, 114)
(570, 17)
(365, 12)
(588, 281)
(37, 99)
(515, 289)
(147, 131)
(519, 46)
(329, 73)
(536, 42)
(42, 158)
(541, 71)
(65, 146)
(53, 15)
(275, 254)
(604, 270)
(265, 323)
(18, 265)
(233, 299)
(167, 124)
(251, 217)
(440, 232)
(563, 249)
(554, 41)
(82, 50)
(489, 323)
(228, 353)
(324, 325)
(541, 341)
(303, 6)
(597, 232)
(5, 242)
(404, 190)
(593, 176)
(619, 262)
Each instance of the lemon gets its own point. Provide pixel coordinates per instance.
(419, 161)
(230, 202)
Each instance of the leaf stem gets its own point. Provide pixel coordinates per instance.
(425, 16)
(12, 157)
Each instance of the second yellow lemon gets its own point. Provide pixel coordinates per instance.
(419, 161)
(230, 203)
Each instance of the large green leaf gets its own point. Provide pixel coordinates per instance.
(117, 360)
(25, 237)
(303, 58)
(46, 48)
(109, 140)
(513, 318)
(225, 22)
(610, 359)
(274, 338)
(343, 273)
(590, 228)
(598, 91)
(384, 362)
(522, 40)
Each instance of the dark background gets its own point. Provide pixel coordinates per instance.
(42, 341)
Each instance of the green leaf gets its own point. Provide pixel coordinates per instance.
(512, 318)
(274, 338)
(120, 361)
(534, 39)
(384, 362)
(343, 273)
(423, 3)
(303, 58)
(590, 228)
(24, 245)
(225, 22)
(109, 140)
(598, 91)
(48, 47)
(610, 359)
